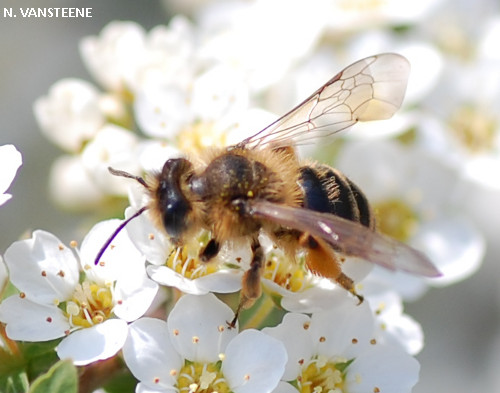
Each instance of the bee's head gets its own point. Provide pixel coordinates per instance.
(169, 204)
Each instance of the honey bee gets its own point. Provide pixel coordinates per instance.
(260, 184)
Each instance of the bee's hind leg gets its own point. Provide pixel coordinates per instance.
(322, 260)
(347, 283)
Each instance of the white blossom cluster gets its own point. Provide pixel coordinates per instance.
(212, 81)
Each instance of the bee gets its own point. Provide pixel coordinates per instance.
(260, 185)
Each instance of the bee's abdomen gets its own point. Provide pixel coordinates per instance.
(327, 190)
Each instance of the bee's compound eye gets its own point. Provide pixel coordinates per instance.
(174, 216)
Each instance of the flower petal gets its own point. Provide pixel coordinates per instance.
(353, 324)
(134, 294)
(146, 237)
(224, 281)
(454, 245)
(292, 332)
(96, 343)
(43, 268)
(254, 362)
(383, 368)
(198, 327)
(10, 161)
(150, 355)
(120, 256)
(69, 115)
(29, 321)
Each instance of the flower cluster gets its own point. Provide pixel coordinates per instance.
(182, 88)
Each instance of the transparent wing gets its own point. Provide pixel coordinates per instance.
(370, 89)
(348, 237)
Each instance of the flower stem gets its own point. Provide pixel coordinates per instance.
(260, 312)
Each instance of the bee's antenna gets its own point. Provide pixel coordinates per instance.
(117, 230)
(128, 176)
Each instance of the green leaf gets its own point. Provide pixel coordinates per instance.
(14, 383)
(123, 382)
(61, 378)
(38, 357)
(13, 376)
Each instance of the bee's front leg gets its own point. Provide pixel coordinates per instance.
(210, 250)
(250, 284)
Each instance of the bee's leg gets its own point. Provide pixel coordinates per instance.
(321, 260)
(347, 283)
(210, 250)
(250, 284)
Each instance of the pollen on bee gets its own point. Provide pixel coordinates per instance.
(250, 194)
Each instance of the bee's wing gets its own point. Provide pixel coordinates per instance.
(370, 89)
(348, 237)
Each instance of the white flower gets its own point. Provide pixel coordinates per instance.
(70, 115)
(337, 351)
(195, 350)
(71, 185)
(10, 161)
(393, 326)
(115, 55)
(299, 290)
(199, 115)
(124, 58)
(169, 56)
(180, 268)
(116, 147)
(92, 312)
(365, 14)
(410, 192)
(265, 53)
